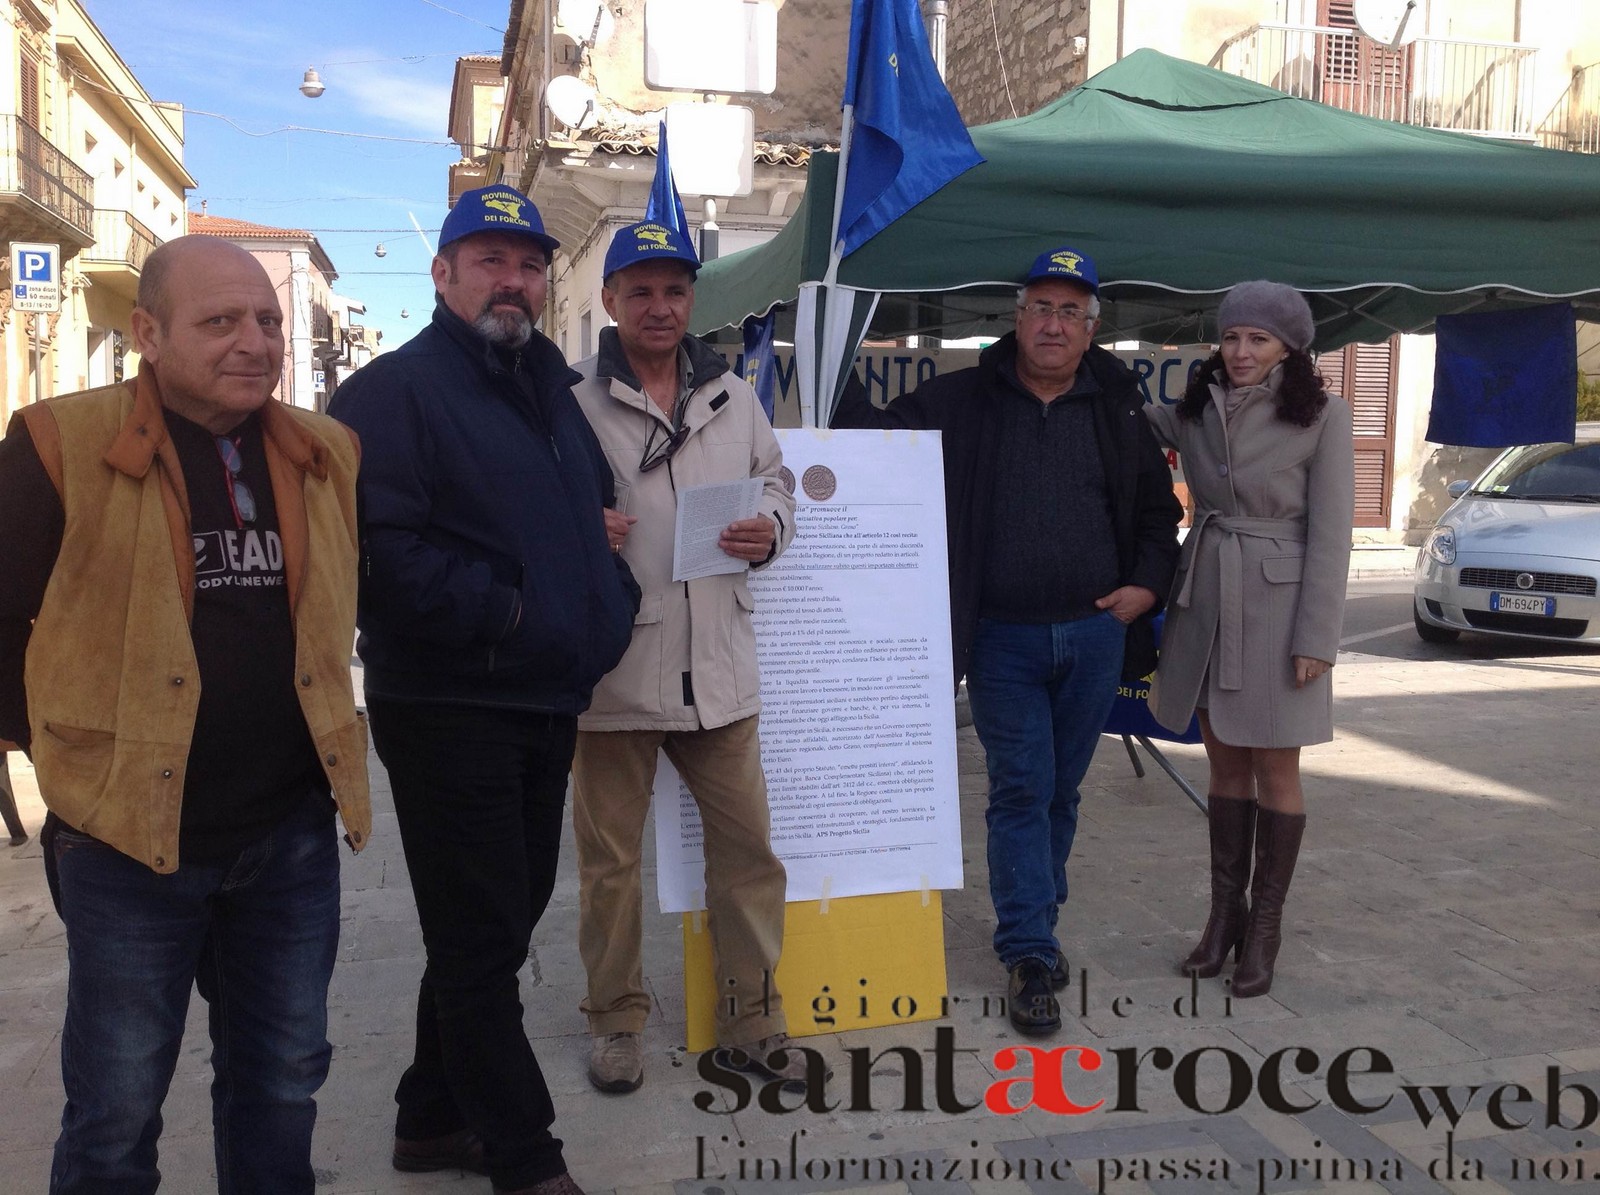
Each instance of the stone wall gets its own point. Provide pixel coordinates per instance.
(1035, 57)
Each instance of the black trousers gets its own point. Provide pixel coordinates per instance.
(479, 794)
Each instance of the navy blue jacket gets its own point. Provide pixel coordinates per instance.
(961, 405)
(486, 575)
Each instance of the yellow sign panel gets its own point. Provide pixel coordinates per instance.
(865, 961)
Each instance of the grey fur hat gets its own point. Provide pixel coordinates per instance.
(1271, 306)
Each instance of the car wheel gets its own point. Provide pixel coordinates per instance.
(1429, 633)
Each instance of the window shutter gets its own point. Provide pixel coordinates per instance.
(1341, 56)
(1364, 375)
(28, 91)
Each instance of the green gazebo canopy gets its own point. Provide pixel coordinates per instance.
(1181, 181)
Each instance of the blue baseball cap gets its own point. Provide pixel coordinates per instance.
(495, 209)
(648, 241)
(1065, 264)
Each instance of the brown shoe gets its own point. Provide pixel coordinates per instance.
(616, 1062)
(461, 1150)
(561, 1184)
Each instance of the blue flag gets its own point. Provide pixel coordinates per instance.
(664, 206)
(760, 363)
(908, 139)
(1505, 377)
(1130, 712)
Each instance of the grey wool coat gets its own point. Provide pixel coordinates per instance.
(1262, 575)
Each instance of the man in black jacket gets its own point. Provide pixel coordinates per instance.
(1062, 527)
(491, 603)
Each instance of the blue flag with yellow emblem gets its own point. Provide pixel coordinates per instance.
(760, 364)
(908, 139)
(664, 206)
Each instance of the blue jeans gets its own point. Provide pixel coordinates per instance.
(1040, 694)
(479, 794)
(257, 934)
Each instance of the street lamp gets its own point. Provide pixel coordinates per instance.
(311, 86)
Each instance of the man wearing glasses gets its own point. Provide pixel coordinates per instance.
(671, 414)
(1062, 527)
(490, 605)
(178, 573)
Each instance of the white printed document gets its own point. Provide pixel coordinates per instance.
(858, 735)
(704, 511)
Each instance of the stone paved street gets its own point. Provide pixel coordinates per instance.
(1446, 913)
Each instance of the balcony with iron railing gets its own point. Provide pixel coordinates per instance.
(117, 257)
(1574, 123)
(1479, 87)
(44, 195)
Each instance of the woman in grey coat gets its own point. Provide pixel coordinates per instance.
(1257, 606)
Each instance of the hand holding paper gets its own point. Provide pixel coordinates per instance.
(707, 516)
(748, 539)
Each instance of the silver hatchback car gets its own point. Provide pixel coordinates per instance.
(1519, 551)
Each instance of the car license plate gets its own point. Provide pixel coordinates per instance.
(1522, 603)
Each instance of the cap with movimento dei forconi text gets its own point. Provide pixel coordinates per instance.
(495, 209)
(1065, 265)
(648, 241)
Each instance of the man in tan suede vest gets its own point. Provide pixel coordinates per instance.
(177, 605)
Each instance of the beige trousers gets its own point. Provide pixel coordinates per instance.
(613, 772)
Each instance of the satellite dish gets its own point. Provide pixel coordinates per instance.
(572, 102)
(1391, 23)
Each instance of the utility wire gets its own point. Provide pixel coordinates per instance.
(1000, 57)
(462, 15)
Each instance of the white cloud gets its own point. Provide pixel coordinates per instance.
(395, 94)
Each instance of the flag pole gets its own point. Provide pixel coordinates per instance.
(814, 306)
(835, 245)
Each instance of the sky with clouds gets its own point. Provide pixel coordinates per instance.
(387, 66)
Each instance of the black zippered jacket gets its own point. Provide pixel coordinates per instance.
(486, 577)
(961, 406)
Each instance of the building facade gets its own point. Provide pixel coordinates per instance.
(88, 162)
(590, 173)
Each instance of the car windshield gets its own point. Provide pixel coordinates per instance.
(1545, 472)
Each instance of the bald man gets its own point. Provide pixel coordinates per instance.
(177, 604)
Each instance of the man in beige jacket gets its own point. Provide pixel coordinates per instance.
(670, 414)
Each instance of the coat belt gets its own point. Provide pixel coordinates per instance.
(1230, 562)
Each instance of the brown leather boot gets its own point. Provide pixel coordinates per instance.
(1277, 848)
(1232, 822)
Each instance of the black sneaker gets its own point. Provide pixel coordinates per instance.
(1030, 1000)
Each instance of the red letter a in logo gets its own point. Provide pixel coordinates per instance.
(1049, 1092)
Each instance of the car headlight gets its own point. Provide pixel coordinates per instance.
(1441, 544)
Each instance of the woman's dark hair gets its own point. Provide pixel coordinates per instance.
(1301, 396)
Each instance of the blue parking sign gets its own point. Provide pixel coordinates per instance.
(36, 277)
(36, 266)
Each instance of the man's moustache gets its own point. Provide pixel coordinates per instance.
(511, 300)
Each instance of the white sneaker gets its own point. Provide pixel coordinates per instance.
(616, 1062)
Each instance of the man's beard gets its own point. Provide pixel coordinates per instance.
(505, 329)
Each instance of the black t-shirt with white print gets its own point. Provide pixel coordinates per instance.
(252, 761)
